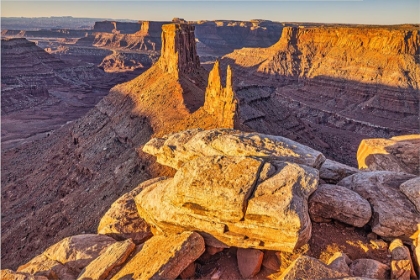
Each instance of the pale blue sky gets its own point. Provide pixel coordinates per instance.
(333, 11)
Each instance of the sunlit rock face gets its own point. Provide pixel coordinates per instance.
(238, 189)
(399, 154)
(178, 53)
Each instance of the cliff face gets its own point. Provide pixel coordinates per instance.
(368, 55)
(116, 27)
(330, 87)
(178, 53)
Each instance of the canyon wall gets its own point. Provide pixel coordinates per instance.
(330, 87)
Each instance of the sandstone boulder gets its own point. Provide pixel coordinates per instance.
(401, 265)
(122, 220)
(411, 189)
(114, 256)
(332, 171)
(249, 261)
(41, 265)
(399, 154)
(176, 149)
(271, 260)
(234, 201)
(340, 262)
(68, 257)
(7, 274)
(393, 214)
(339, 203)
(309, 268)
(163, 257)
(369, 268)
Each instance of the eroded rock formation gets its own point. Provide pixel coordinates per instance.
(330, 87)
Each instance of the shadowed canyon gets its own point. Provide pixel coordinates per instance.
(243, 150)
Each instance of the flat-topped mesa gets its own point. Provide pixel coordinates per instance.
(179, 53)
(221, 101)
(151, 28)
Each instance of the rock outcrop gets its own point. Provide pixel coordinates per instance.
(176, 149)
(339, 203)
(399, 154)
(393, 214)
(265, 199)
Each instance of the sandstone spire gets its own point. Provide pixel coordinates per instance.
(219, 101)
(179, 52)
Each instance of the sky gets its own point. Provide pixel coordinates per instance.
(326, 11)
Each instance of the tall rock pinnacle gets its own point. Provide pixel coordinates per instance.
(219, 101)
(179, 54)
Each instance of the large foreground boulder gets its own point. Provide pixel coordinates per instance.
(399, 154)
(394, 215)
(234, 201)
(163, 257)
(176, 149)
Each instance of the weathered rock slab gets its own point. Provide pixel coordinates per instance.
(114, 256)
(369, 268)
(43, 266)
(122, 221)
(234, 201)
(411, 189)
(249, 261)
(163, 257)
(68, 257)
(176, 149)
(393, 214)
(339, 203)
(332, 171)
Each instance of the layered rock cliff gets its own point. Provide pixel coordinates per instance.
(333, 85)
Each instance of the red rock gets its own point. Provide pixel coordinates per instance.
(249, 261)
